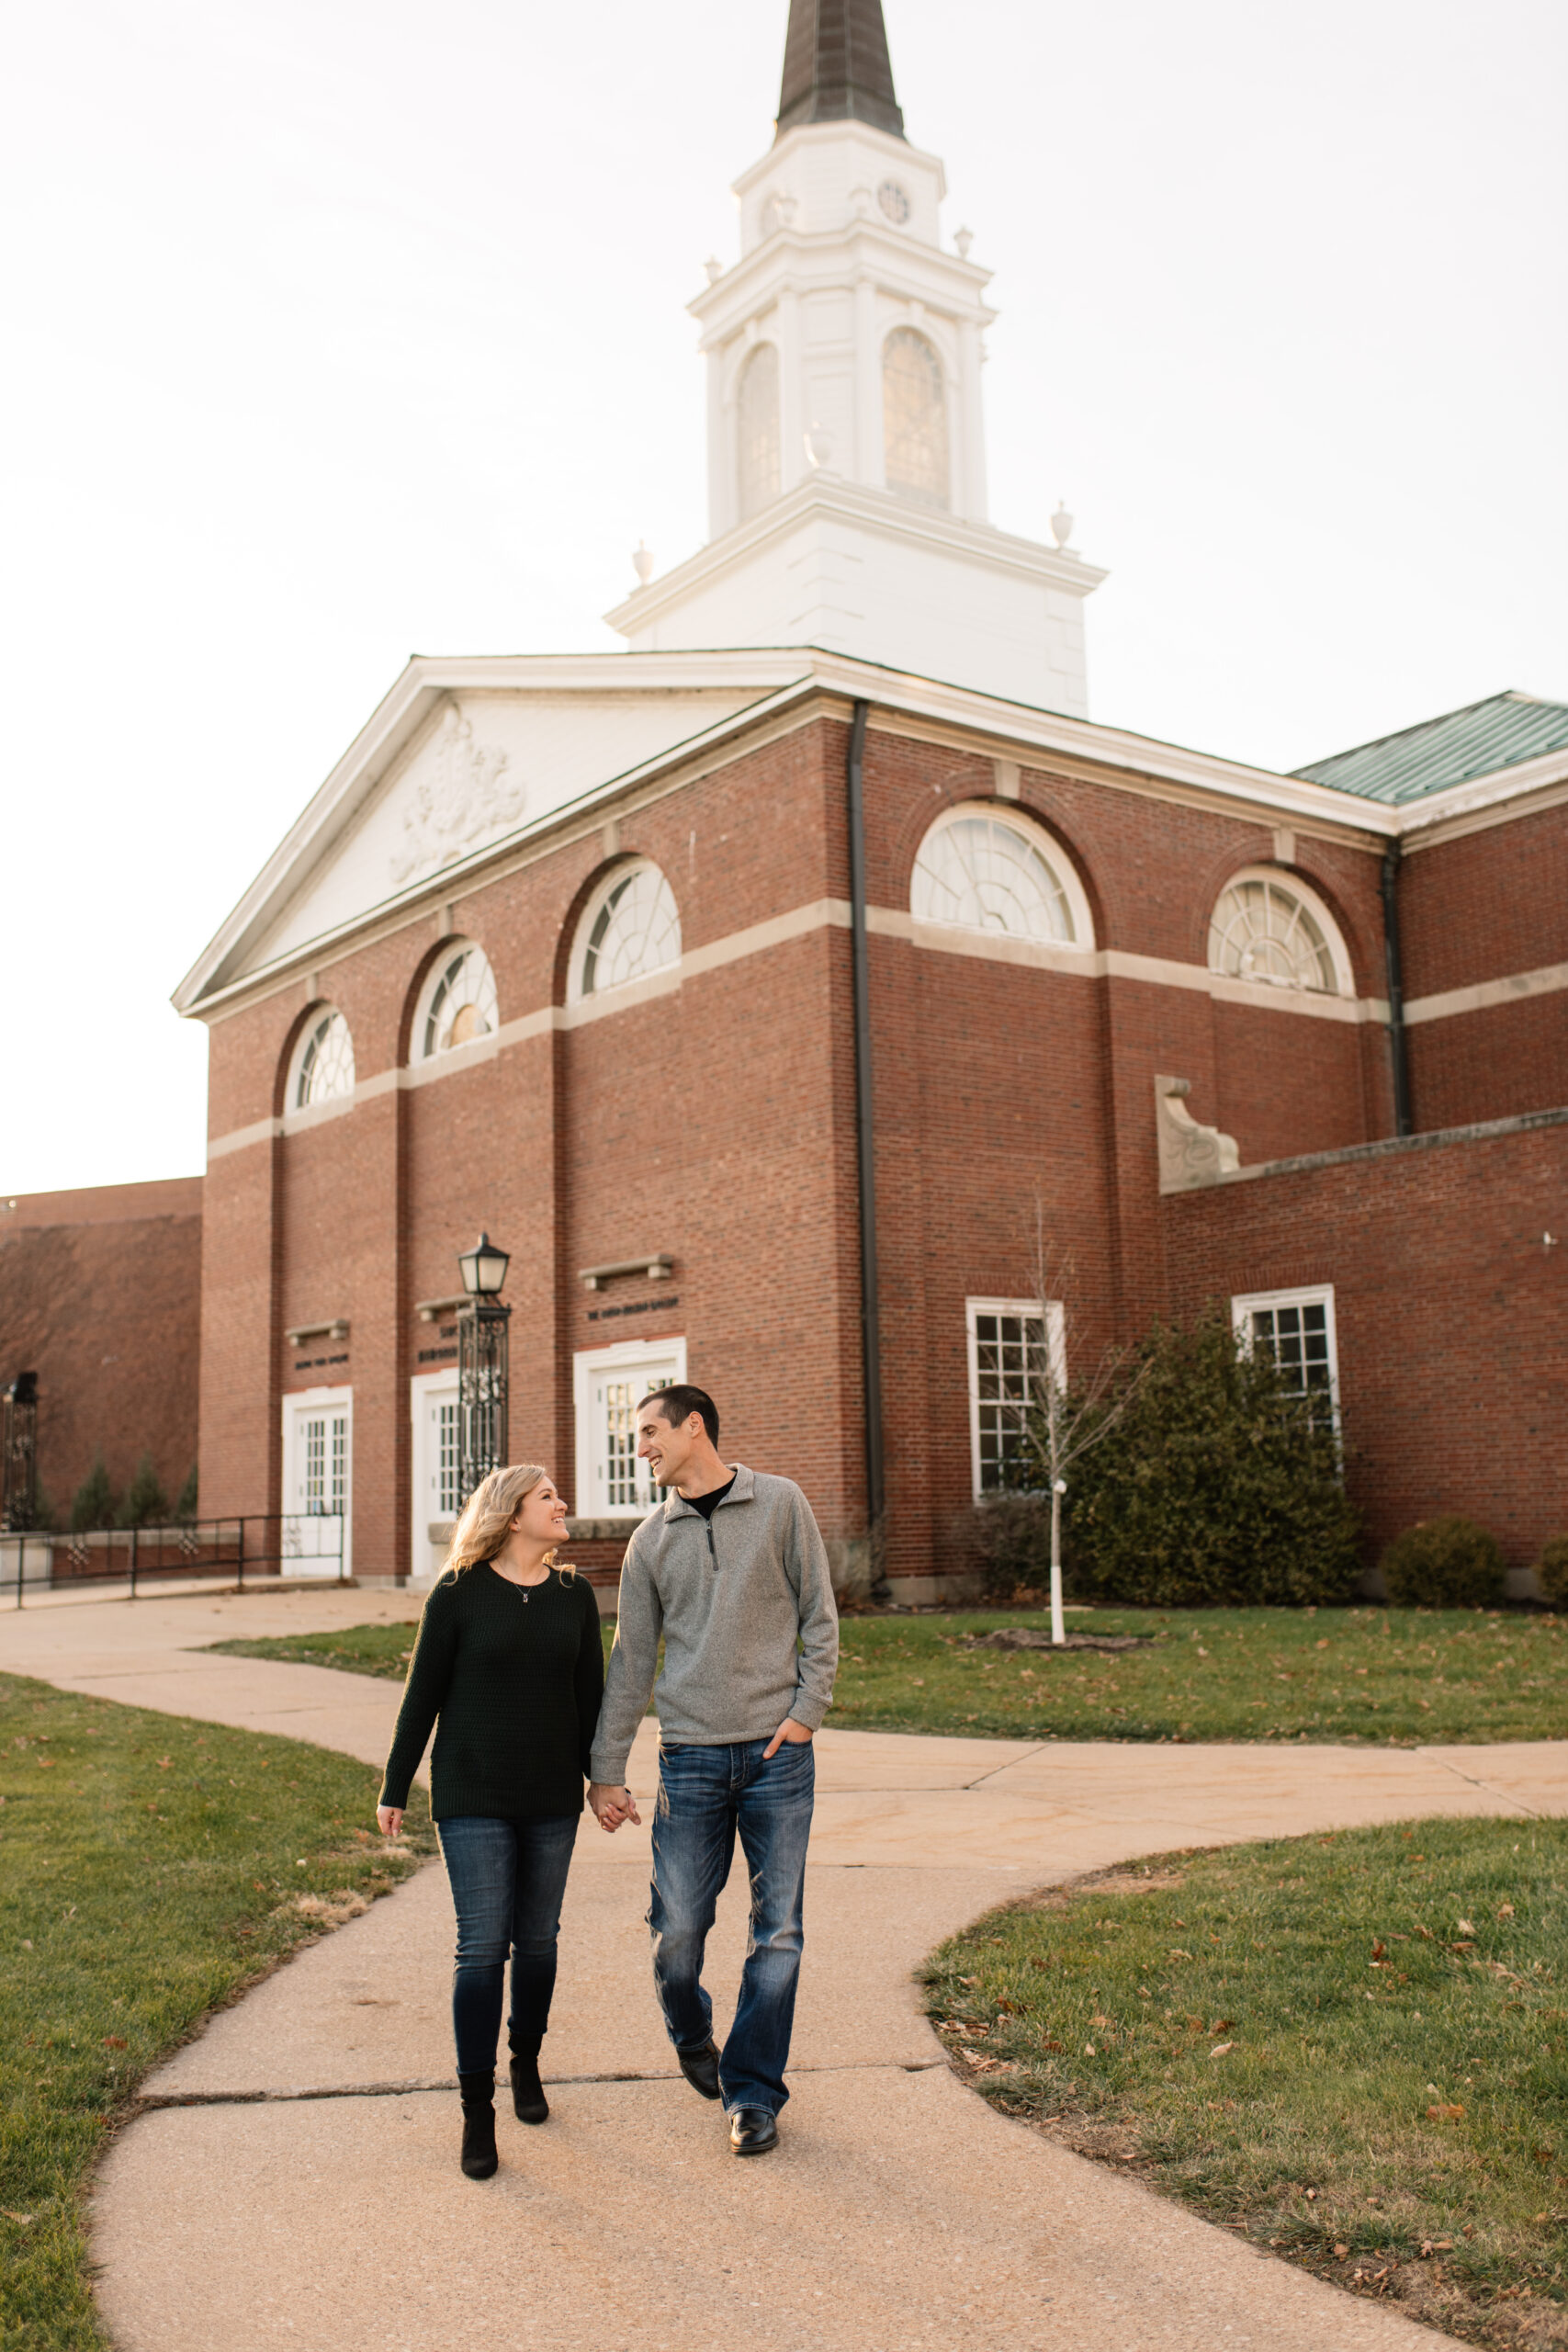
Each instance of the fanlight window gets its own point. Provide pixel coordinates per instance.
(459, 1003)
(758, 430)
(325, 1066)
(984, 874)
(632, 928)
(914, 418)
(1263, 930)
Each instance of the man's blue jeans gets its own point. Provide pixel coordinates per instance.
(507, 1878)
(706, 1795)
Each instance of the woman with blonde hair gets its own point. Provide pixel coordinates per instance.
(507, 1667)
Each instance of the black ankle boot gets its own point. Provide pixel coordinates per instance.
(478, 2091)
(528, 2101)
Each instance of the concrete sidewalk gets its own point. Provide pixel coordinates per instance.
(899, 2211)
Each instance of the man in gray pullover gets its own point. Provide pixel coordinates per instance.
(732, 1570)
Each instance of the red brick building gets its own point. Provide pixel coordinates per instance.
(100, 1295)
(566, 949)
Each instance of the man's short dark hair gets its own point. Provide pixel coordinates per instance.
(680, 1401)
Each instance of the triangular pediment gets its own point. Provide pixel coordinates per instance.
(460, 759)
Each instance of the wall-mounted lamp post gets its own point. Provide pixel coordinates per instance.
(18, 1441)
(482, 1372)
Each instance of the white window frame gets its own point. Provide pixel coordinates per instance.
(590, 1365)
(298, 1404)
(425, 1387)
(1023, 823)
(1245, 1304)
(1053, 1314)
(293, 1108)
(1284, 878)
(459, 944)
(661, 975)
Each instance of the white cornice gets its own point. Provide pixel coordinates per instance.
(1483, 800)
(798, 260)
(877, 510)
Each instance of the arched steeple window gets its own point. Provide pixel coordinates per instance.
(914, 418)
(757, 431)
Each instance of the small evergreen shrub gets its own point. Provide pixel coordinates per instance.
(1215, 1488)
(1010, 1537)
(145, 1504)
(186, 1505)
(93, 1504)
(1552, 1569)
(1448, 1563)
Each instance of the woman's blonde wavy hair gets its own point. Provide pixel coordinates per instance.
(487, 1518)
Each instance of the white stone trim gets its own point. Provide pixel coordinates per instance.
(1546, 979)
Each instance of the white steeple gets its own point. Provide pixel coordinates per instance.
(846, 439)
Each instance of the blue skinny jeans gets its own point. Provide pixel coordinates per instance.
(706, 1795)
(507, 1881)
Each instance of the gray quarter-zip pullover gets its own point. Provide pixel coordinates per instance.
(745, 1603)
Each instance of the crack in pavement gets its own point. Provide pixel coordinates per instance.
(148, 2100)
(1516, 1804)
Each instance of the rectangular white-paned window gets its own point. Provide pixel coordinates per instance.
(436, 1464)
(1007, 1365)
(1296, 1328)
(609, 1385)
(318, 1452)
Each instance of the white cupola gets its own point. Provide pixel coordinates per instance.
(846, 438)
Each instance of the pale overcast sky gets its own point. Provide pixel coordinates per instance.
(341, 329)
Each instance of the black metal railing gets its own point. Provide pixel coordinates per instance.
(256, 1548)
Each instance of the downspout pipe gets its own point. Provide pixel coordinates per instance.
(1398, 1057)
(865, 1156)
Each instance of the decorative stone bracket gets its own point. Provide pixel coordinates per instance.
(436, 1310)
(1190, 1155)
(298, 1332)
(658, 1269)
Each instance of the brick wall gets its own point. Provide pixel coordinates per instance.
(100, 1295)
(1450, 1312)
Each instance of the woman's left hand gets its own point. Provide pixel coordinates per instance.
(389, 1820)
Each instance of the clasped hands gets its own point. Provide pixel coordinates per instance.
(612, 1805)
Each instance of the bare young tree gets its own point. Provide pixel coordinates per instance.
(1065, 1420)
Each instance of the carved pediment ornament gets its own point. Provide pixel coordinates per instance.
(464, 796)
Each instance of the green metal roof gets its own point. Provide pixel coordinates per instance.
(1477, 740)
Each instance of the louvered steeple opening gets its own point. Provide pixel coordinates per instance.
(836, 68)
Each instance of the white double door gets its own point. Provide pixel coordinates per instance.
(436, 1466)
(610, 1383)
(316, 1535)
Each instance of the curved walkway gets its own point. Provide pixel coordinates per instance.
(300, 2187)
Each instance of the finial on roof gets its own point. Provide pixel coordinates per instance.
(836, 68)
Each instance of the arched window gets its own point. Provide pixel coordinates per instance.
(323, 1060)
(631, 927)
(758, 430)
(457, 1003)
(983, 872)
(1267, 928)
(914, 418)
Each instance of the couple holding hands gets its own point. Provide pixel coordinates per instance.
(507, 1669)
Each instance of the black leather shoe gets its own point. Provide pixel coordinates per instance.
(529, 2104)
(701, 2069)
(752, 2131)
(478, 2157)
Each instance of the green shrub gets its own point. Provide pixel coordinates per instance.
(145, 1504)
(93, 1504)
(1448, 1563)
(185, 1507)
(1010, 1536)
(1553, 1570)
(1215, 1488)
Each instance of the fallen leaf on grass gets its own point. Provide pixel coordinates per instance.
(1444, 2114)
(1221, 2049)
(1339, 2251)
(114, 2042)
(24, 2219)
(1464, 1929)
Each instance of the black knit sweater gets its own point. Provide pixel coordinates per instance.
(516, 1683)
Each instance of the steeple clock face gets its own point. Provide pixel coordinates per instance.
(894, 200)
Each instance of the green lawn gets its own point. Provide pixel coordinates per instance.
(1353, 2048)
(150, 1867)
(1393, 1676)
